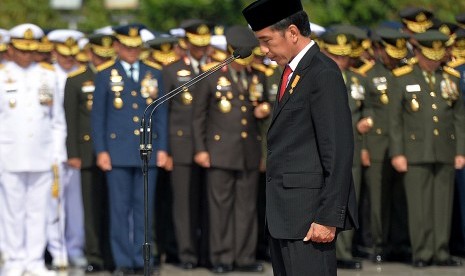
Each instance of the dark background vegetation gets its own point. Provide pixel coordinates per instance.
(162, 15)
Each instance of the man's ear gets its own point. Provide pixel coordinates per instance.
(294, 31)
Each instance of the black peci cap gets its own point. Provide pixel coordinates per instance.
(263, 13)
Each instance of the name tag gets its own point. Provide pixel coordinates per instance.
(413, 88)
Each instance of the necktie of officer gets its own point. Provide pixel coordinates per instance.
(131, 73)
(287, 72)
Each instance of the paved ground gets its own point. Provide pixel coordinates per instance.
(369, 269)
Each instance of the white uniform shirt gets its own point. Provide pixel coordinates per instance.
(30, 128)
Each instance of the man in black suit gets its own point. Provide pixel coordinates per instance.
(310, 192)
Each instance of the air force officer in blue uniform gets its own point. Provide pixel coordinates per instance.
(123, 89)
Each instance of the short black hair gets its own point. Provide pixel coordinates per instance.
(300, 19)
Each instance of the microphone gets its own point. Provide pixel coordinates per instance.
(237, 54)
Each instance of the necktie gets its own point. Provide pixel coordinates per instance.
(287, 72)
(131, 73)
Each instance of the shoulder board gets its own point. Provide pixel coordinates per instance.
(2, 65)
(362, 70)
(456, 63)
(451, 71)
(403, 70)
(412, 61)
(152, 64)
(47, 66)
(105, 65)
(209, 66)
(78, 71)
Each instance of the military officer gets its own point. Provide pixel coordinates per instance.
(78, 103)
(30, 133)
(426, 143)
(227, 142)
(66, 231)
(457, 51)
(338, 45)
(123, 89)
(390, 49)
(186, 175)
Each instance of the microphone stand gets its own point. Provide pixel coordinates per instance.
(146, 147)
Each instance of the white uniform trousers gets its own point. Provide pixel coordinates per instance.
(66, 221)
(25, 211)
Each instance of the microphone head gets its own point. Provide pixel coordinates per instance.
(242, 52)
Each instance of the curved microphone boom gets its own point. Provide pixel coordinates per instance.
(146, 132)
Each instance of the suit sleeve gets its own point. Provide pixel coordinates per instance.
(99, 112)
(161, 118)
(71, 104)
(200, 111)
(334, 137)
(396, 141)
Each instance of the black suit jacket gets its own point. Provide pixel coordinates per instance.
(310, 152)
(79, 90)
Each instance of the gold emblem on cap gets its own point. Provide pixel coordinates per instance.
(203, 29)
(437, 44)
(341, 39)
(401, 43)
(70, 41)
(28, 34)
(133, 32)
(420, 17)
(106, 41)
(445, 29)
(165, 47)
(219, 30)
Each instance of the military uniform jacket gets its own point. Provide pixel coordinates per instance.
(310, 152)
(180, 111)
(78, 102)
(224, 124)
(356, 93)
(379, 87)
(427, 125)
(31, 128)
(116, 122)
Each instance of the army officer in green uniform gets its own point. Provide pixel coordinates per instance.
(427, 125)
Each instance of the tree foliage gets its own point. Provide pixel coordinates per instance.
(163, 15)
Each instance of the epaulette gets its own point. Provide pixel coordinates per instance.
(451, 71)
(362, 70)
(152, 64)
(2, 65)
(78, 71)
(403, 70)
(47, 66)
(456, 62)
(412, 61)
(209, 66)
(105, 65)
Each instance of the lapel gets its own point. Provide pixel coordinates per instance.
(300, 71)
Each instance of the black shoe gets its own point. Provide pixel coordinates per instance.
(379, 258)
(420, 263)
(255, 267)
(349, 264)
(449, 262)
(93, 268)
(222, 268)
(187, 265)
